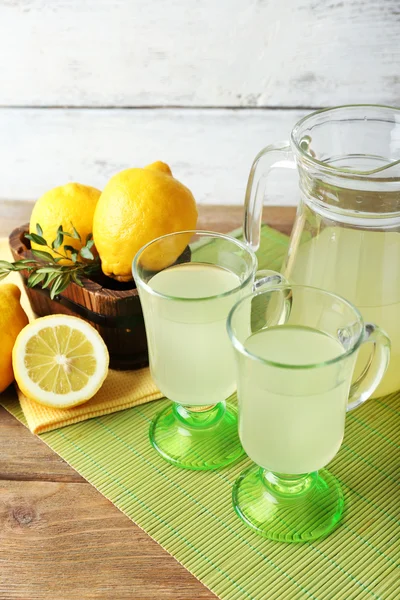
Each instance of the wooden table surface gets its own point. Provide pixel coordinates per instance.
(60, 539)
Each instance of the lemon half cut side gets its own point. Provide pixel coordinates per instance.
(60, 361)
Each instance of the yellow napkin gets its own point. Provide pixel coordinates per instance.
(122, 389)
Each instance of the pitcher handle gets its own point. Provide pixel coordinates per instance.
(370, 378)
(274, 156)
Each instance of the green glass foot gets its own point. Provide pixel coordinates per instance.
(288, 508)
(197, 438)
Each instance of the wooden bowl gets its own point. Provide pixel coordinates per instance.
(112, 308)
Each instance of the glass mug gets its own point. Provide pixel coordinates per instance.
(185, 305)
(296, 349)
(346, 236)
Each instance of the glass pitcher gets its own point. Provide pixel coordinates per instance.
(346, 236)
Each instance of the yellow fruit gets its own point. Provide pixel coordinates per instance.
(159, 166)
(12, 320)
(67, 205)
(137, 206)
(60, 361)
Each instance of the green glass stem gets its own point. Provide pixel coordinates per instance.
(199, 416)
(197, 437)
(288, 485)
(288, 508)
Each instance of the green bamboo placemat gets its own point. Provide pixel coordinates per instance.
(191, 516)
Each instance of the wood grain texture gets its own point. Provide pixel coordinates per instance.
(67, 542)
(227, 218)
(190, 53)
(211, 217)
(210, 151)
(24, 456)
(59, 538)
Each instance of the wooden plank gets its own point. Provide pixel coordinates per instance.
(212, 217)
(227, 218)
(225, 53)
(63, 541)
(210, 151)
(24, 456)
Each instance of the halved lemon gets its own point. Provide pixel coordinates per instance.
(60, 361)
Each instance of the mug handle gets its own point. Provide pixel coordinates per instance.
(266, 277)
(370, 378)
(264, 280)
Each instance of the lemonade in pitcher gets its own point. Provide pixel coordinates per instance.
(364, 267)
(346, 237)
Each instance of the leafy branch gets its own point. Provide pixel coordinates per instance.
(45, 269)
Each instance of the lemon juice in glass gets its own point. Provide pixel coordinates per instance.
(294, 373)
(185, 306)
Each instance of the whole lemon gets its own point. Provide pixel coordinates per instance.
(70, 205)
(137, 206)
(12, 320)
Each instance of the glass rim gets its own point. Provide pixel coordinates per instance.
(201, 233)
(331, 168)
(237, 344)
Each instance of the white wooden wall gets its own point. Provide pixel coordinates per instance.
(89, 87)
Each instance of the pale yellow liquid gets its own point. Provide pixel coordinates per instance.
(292, 421)
(364, 267)
(191, 358)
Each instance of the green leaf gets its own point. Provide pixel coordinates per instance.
(92, 267)
(59, 285)
(50, 277)
(42, 254)
(3, 275)
(89, 237)
(73, 251)
(39, 230)
(18, 266)
(37, 239)
(85, 252)
(54, 287)
(89, 243)
(75, 278)
(75, 233)
(4, 264)
(26, 261)
(58, 241)
(34, 279)
(48, 270)
(64, 284)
